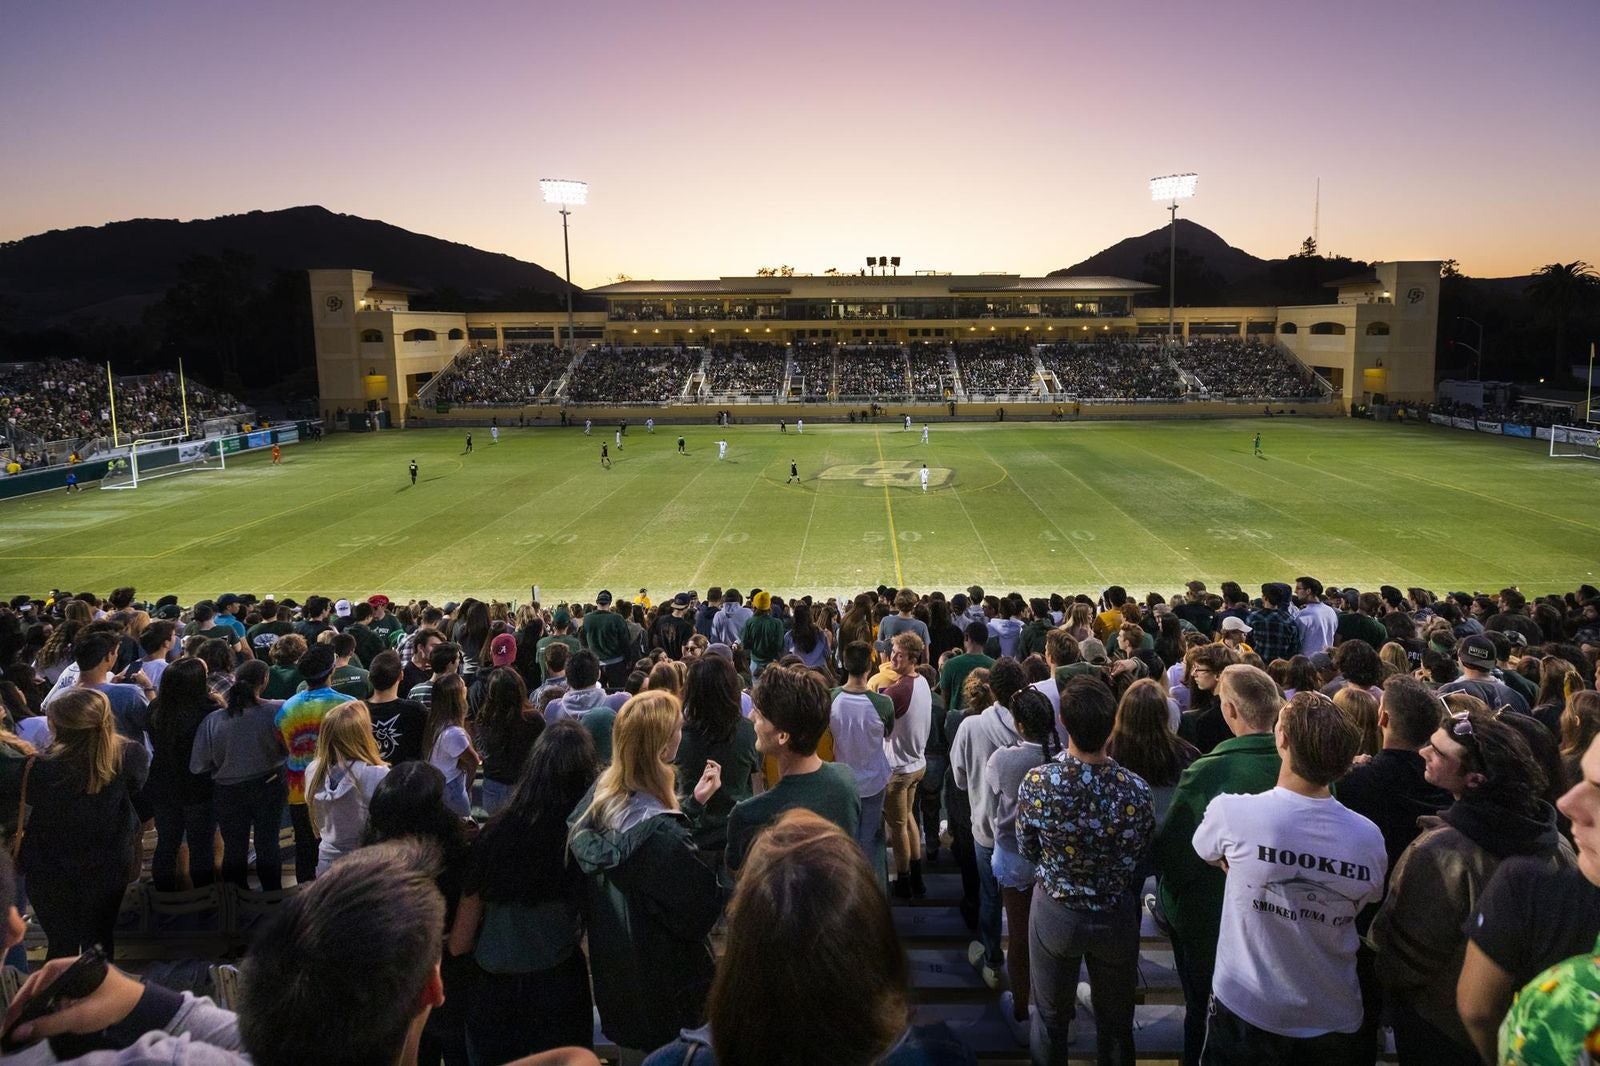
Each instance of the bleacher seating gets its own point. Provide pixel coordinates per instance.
(1111, 370)
(996, 367)
(746, 369)
(631, 375)
(812, 370)
(511, 375)
(1246, 370)
(875, 372)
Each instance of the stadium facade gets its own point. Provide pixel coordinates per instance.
(1374, 342)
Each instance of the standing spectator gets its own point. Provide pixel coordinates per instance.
(1285, 987)
(82, 827)
(911, 699)
(1273, 632)
(561, 633)
(806, 885)
(521, 912)
(1004, 774)
(954, 670)
(860, 721)
(976, 739)
(902, 621)
(790, 716)
(284, 670)
(397, 724)
(240, 747)
(1203, 724)
(1191, 889)
(341, 781)
(419, 665)
(449, 748)
(443, 661)
(651, 901)
(1476, 656)
(605, 633)
(1143, 742)
(714, 731)
(1487, 767)
(673, 627)
(299, 721)
(813, 646)
(762, 635)
(507, 727)
(1318, 623)
(729, 622)
(180, 797)
(1087, 823)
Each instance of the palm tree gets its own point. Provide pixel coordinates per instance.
(1559, 291)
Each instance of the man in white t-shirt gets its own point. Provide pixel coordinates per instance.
(861, 721)
(1301, 866)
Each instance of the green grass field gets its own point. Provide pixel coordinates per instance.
(1031, 507)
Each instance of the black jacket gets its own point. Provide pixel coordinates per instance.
(1390, 791)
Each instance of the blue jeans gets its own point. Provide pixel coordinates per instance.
(245, 807)
(989, 908)
(176, 823)
(869, 834)
(495, 796)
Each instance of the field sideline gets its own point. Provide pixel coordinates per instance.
(1033, 507)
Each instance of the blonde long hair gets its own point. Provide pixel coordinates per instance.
(345, 737)
(643, 729)
(84, 731)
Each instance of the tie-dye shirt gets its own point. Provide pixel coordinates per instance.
(1088, 827)
(300, 720)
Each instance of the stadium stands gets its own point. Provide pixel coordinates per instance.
(1155, 662)
(631, 375)
(1246, 370)
(812, 371)
(997, 368)
(930, 371)
(514, 374)
(1111, 370)
(874, 372)
(746, 369)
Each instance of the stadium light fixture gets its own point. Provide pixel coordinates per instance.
(1169, 189)
(567, 195)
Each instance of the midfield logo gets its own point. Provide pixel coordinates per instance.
(894, 473)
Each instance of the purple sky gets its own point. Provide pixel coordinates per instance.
(720, 137)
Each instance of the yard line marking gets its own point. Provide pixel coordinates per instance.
(640, 527)
(998, 576)
(888, 506)
(1140, 526)
(1047, 517)
(800, 555)
(694, 581)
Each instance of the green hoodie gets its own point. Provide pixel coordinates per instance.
(763, 637)
(1191, 888)
(652, 904)
(605, 634)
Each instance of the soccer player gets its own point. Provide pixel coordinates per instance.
(794, 472)
(277, 455)
(72, 482)
(413, 471)
(619, 438)
(908, 424)
(649, 425)
(605, 455)
(1258, 443)
(783, 427)
(494, 434)
(587, 425)
(799, 425)
(680, 445)
(469, 445)
(924, 477)
(722, 450)
(924, 434)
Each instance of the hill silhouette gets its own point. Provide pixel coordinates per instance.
(116, 271)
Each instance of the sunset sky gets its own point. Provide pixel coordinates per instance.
(720, 137)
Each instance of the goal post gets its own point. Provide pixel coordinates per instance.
(162, 456)
(1574, 442)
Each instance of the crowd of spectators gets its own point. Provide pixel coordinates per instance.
(1111, 370)
(930, 370)
(1525, 414)
(811, 365)
(514, 374)
(631, 375)
(995, 367)
(1246, 370)
(748, 369)
(1361, 810)
(872, 370)
(67, 399)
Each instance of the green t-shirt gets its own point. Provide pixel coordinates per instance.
(606, 635)
(348, 681)
(954, 676)
(830, 791)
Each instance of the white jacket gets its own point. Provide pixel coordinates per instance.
(341, 807)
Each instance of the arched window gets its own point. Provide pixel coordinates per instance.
(372, 336)
(421, 335)
(457, 335)
(1377, 329)
(1325, 329)
(1288, 327)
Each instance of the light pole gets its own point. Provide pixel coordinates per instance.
(568, 194)
(1478, 351)
(1173, 187)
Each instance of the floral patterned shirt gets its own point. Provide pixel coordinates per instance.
(1087, 826)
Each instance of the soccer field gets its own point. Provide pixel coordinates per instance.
(1032, 507)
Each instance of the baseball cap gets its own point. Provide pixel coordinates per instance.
(604, 598)
(1234, 624)
(342, 608)
(503, 650)
(1476, 651)
(720, 649)
(1093, 651)
(316, 662)
(1516, 638)
(378, 600)
(681, 600)
(168, 612)
(228, 599)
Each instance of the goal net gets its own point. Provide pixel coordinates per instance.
(1569, 442)
(163, 456)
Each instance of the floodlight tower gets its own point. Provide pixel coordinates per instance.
(1173, 187)
(568, 194)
